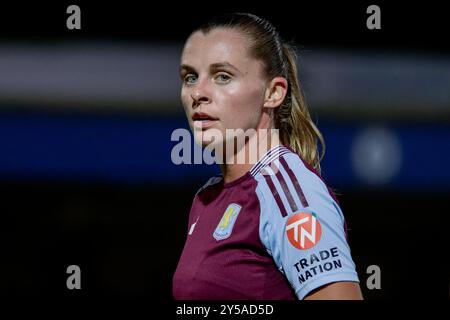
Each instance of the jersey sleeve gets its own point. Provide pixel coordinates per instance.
(302, 227)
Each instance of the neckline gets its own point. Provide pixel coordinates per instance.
(236, 181)
(249, 173)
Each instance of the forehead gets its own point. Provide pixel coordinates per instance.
(218, 45)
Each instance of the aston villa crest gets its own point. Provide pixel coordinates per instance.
(225, 226)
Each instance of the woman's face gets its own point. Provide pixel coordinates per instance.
(223, 86)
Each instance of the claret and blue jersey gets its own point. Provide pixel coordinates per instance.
(277, 232)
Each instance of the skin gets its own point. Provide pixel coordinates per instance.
(220, 78)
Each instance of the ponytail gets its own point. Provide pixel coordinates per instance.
(293, 120)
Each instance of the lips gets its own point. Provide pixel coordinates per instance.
(201, 116)
(203, 120)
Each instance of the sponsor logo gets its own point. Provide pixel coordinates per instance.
(225, 226)
(317, 263)
(303, 230)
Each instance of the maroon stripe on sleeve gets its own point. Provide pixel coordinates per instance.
(310, 168)
(275, 193)
(286, 191)
(295, 182)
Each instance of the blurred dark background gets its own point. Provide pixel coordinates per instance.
(86, 118)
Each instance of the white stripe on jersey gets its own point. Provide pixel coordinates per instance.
(268, 157)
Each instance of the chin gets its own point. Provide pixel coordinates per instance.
(210, 142)
(208, 138)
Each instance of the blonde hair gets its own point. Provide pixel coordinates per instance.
(292, 117)
(293, 120)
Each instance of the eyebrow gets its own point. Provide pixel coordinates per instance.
(185, 67)
(224, 64)
(213, 67)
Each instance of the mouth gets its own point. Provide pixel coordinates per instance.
(203, 120)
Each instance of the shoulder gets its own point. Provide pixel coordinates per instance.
(302, 226)
(289, 184)
(211, 181)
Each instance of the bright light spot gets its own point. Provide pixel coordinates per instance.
(376, 155)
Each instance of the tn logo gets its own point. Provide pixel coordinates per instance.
(303, 230)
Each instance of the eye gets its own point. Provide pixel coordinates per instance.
(189, 78)
(223, 77)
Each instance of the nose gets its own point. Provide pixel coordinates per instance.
(200, 95)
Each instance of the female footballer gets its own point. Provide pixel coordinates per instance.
(264, 229)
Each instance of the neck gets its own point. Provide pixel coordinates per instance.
(244, 157)
(231, 172)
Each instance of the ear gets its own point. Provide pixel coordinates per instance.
(275, 92)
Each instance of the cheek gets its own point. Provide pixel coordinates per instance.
(185, 101)
(243, 107)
